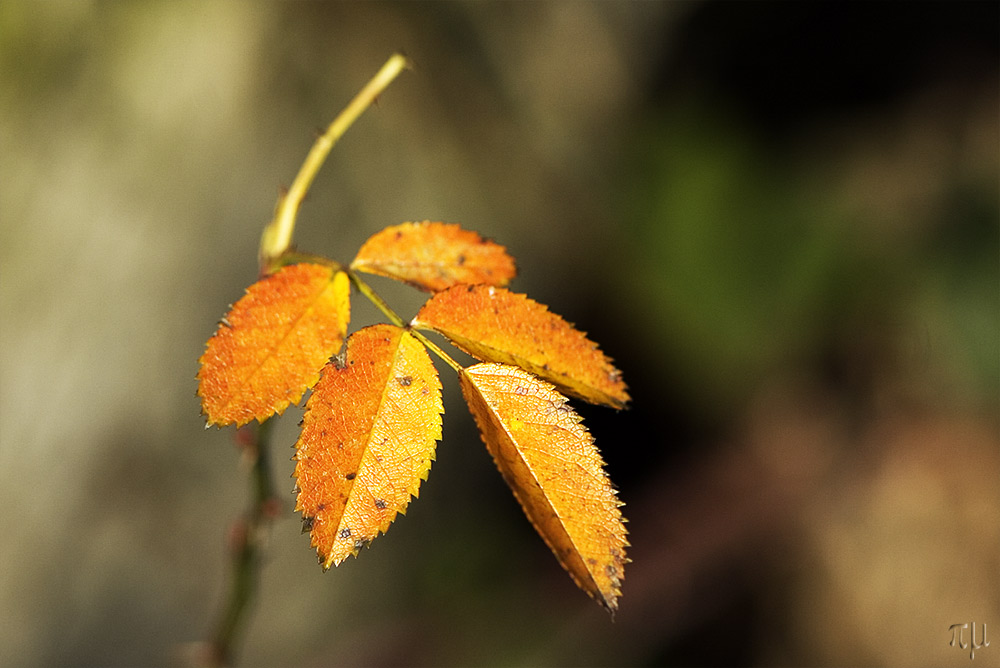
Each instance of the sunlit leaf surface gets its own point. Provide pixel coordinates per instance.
(550, 462)
(496, 325)
(368, 439)
(270, 347)
(434, 256)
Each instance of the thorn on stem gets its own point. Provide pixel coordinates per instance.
(239, 535)
(270, 508)
(245, 437)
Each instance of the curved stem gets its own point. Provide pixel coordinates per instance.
(246, 539)
(277, 236)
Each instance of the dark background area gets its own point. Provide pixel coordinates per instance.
(780, 219)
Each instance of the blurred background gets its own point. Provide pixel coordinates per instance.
(780, 219)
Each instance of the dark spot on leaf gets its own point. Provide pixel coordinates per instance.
(321, 506)
(611, 571)
(461, 260)
(380, 504)
(345, 533)
(350, 476)
(405, 381)
(307, 524)
(559, 406)
(520, 390)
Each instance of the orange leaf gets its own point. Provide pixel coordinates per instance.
(496, 325)
(367, 440)
(434, 256)
(550, 462)
(270, 347)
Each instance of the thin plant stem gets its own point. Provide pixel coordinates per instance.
(376, 299)
(277, 236)
(436, 350)
(246, 541)
(294, 257)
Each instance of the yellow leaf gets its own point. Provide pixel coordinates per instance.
(496, 325)
(270, 347)
(434, 256)
(368, 439)
(550, 462)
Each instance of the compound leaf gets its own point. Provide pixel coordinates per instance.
(549, 460)
(367, 440)
(434, 256)
(270, 347)
(496, 325)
